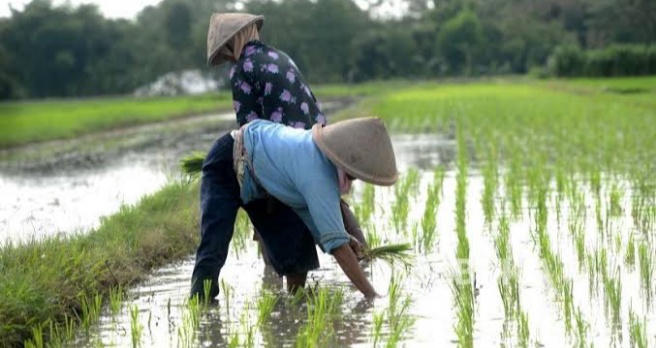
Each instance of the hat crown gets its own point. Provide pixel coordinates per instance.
(223, 27)
(361, 147)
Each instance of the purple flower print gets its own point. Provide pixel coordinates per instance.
(305, 107)
(251, 116)
(321, 119)
(267, 88)
(273, 55)
(248, 66)
(236, 105)
(299, 125)
(276, 116)
(260, 100)
(249, 51)
(245, 87)
(272, 68)
(286, 96)
(291, 76)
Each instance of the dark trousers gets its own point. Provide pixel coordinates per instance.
(285, 238)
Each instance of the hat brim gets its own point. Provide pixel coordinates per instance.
(317, 136)
(215, 58)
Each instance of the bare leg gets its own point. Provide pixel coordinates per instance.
(295, 282)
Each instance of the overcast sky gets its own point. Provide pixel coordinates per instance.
(110, 8)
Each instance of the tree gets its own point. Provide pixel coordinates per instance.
(458, 40)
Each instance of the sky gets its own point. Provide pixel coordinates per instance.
(110, 8)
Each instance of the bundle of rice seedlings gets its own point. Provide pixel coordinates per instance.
(192, 164)
(391, 254)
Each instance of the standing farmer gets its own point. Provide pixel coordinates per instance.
(266, 84)
(306, 170)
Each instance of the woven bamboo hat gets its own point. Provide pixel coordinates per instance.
(361, 147)
(223, 27)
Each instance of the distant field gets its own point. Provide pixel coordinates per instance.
(26, 122)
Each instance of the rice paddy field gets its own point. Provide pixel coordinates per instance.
(530, 208)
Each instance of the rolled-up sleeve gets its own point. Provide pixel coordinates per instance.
(323, 215)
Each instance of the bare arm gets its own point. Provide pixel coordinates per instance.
(349, 263)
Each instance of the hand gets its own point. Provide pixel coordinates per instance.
(357, 247)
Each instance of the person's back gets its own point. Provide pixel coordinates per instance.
(266, 84)
(286, 162)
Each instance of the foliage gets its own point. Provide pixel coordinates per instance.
(616, 60)
(51, 50)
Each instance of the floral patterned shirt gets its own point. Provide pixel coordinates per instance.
(266, 84)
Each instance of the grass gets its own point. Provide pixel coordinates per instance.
(60, 281)
(27, 122)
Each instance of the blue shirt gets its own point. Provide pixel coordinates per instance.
(290, 167)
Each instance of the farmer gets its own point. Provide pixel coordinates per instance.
(306, 171)
(266, 84)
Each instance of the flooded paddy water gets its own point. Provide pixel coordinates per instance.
(567, 262)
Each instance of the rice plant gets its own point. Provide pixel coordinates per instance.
(638, 331)
(391, 254)
(322, 308)
(136, 329)
(265, 305)
(646, 268)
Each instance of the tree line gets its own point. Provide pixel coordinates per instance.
(64, 51)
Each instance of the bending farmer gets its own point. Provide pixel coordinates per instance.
(306, 171)
(266, 84)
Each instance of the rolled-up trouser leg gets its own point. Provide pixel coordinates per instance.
(219, 202)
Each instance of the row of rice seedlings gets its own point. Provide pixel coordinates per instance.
(403, 190)
(462, 287)
(136, 329)
(367, 206)
(490, 183)
(562, 285)
(645, 253)
(265, 305)
(637, 331)
(396, 316)
(426, 240)
(323, 307)
(514, 188)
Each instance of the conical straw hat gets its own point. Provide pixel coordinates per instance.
(361, 147)
(223, 26)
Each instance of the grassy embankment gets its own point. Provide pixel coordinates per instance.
(34, 121)
(55, 281)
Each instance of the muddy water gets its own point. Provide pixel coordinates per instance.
(68, 192)
(161, 301)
